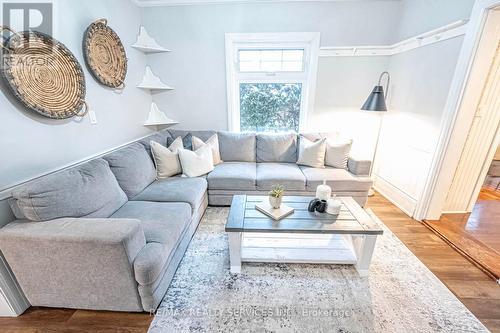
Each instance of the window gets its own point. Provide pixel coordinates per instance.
(271, 60)
(270, 80)
(270, 107)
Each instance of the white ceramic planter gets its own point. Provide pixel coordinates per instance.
(275, 202)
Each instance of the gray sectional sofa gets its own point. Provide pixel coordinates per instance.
(107, 235)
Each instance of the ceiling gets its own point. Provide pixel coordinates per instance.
(151, 3)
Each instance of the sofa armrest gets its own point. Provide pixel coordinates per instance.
(76, 262)
(359, 167)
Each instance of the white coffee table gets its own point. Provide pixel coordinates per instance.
(303, 237)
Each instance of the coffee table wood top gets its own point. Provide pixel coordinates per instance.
(353, 219)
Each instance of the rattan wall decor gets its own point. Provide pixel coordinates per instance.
(104, 54)
(43, 74)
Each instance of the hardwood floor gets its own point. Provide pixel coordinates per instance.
(476, 235)
(474, 288)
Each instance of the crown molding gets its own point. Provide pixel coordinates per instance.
(156, 3)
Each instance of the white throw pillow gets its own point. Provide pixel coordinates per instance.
(337, 153)
(166, 160)
(196, 163)
(312, 153)
(213, 142)
(176, 144)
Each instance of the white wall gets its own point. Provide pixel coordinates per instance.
(421, 80)
(343, 85)
(196, 67)
(419, 16)
(31, 144)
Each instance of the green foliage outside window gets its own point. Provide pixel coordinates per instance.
(270, 107)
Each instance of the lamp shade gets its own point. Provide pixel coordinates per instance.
(376, 100)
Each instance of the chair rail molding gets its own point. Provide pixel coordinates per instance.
(452, 30)
(6, 191)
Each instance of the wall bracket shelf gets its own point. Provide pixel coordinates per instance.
(147, 44)
(158, 118)
(150, 81)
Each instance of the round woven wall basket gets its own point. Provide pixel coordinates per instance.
(104, 54)
(44, 75)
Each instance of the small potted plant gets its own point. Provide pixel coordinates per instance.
(276, 195)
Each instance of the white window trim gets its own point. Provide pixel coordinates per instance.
(307, 40)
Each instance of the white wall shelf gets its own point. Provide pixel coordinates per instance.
(150, 81)
(448, 31)
(148, 44)
(157, 117)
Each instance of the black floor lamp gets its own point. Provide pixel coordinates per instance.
(376, 102)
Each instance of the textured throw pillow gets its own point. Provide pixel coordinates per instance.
(186, 141)
(166, 159)
(196, 163)
(213, 142)
(337, 153)
(312, 153)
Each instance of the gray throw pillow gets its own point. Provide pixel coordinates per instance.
(187, 141)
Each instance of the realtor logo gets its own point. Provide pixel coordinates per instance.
(24, 16)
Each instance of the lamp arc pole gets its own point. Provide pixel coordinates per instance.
(376, 101)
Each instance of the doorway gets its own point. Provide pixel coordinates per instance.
(471, 213)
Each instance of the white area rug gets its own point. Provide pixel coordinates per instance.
(399, 295)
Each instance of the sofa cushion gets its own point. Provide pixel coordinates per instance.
(237, 147)
(88, 190)
(164, 224)
(286, 174)
(132, 167)
(175, 189)
(160, 137)
(203, 135)
(338, 179)
(277, 148)
(233, 176)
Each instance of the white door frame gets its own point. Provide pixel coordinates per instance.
(446, 157)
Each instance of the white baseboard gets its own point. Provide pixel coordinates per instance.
(455, 212)
(402, 200)
(12, 300)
